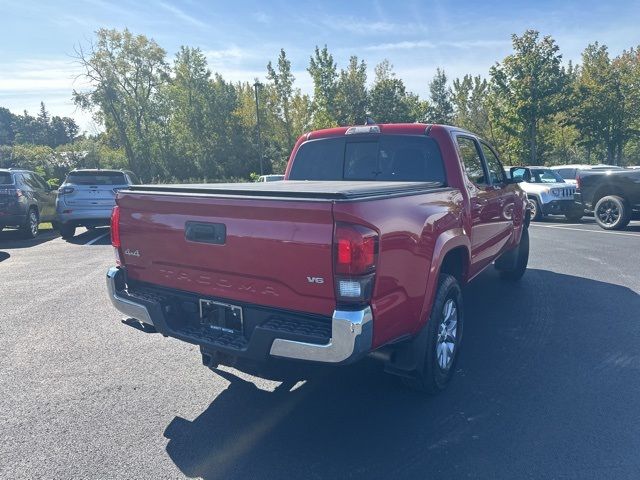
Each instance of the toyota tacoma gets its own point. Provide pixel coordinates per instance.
(361, 250)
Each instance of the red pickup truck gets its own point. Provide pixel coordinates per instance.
(361, 250)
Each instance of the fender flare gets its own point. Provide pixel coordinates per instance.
(446, 242)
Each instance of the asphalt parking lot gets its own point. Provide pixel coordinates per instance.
(547, 383)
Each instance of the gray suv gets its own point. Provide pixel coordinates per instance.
(25, 201)
(87, 197)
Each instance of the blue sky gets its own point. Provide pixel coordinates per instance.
(239, 37)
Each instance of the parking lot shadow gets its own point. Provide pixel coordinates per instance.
(83, 238)
(542, 360)
(14, 238)
(4, 256)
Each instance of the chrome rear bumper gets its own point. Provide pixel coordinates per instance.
(351, 331)
(125, 305)
(351, 335)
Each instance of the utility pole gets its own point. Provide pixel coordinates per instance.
(256, 86)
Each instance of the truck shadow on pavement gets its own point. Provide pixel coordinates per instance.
(14, 239)
(542, 360)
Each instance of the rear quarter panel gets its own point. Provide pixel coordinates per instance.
(409, 227)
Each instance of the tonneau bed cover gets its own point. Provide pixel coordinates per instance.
(329, 190)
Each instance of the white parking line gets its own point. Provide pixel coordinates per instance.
(91, 242)
(606, 232)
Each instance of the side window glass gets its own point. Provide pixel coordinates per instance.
(496, 172)
(471, 160)
(520, 173)
(28, 180)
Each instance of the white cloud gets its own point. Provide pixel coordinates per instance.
(359, 26)
(182, 15)
(462, 44)
(232, 53)
(40, 75)
(24, 84)
(262, 17)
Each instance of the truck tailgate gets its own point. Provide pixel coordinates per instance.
(271, 252)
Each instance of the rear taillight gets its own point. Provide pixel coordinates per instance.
(11, 192)
(355, 258)
(115, 227)
(578, 182)
(65, 190)
(115, 233)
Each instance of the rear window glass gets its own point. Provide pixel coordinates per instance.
(96, 178)
(5, 178)
(567, 173)
(400, 158)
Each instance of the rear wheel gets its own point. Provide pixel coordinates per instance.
(67, 231)
(30, 227)
(612, 213)
(443, 340)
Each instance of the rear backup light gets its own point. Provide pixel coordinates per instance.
(115, 227)
(355, 257)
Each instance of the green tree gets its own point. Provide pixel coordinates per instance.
(469, 97)
(188, 96)
(324, 73)
(352, 97)
(7, 132)
(389, 102)
(126, 72)
(440, 106)
(528, 83)
(282, 81)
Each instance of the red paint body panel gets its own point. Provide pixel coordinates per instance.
(271, 247)
(274, 245)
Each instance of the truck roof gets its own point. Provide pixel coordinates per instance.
(385, 128)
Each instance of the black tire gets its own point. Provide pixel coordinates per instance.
(67, 231)
(522, 260)
(536, 210)
(30, 227)
(432, 377)
(612, 213)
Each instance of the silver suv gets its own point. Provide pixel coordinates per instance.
(547, 192)
(87, 197)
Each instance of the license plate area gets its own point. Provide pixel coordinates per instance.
(221, 316)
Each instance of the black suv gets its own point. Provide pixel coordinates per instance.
(613, 196)
(25, 201)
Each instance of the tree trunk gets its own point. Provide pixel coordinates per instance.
(533, 154)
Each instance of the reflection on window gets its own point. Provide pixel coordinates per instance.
(471, 160)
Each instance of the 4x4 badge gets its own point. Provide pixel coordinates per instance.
(135, 253)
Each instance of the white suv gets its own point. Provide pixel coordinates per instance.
(548, 193)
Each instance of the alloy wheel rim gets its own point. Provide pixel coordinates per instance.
(33, 218)
(608, 212)
(533, 207)
(447, 335)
